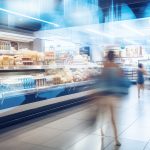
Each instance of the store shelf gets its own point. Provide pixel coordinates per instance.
(43, 88)
(21, 70)
(9, 52)
(44, 67)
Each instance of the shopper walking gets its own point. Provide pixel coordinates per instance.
(110, 73)
(140, 78)
(111, 85)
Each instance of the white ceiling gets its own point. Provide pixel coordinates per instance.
(129, 32)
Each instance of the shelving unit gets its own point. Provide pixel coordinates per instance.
(131, 73)
(45, 67)
(9, 52)
(30, 97)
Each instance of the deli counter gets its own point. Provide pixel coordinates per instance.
(34, 83)
(30, 91)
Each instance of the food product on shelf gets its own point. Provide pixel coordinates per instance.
(78, 75)
(40, 58)
(57, 80)
(49, 55)
(28, 82)
(40, 81)
(28, 57)
(18, 60)
(24, 57)
(31, 55)
(5, 45)
(49, 80)
(66, 76)
(17, 83)
(7, 61)
(11, 61)
(49, 58)
(79, 59)
(1, 61)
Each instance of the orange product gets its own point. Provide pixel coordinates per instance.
(49, 55)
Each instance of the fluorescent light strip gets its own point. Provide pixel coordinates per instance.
(26, 16)
(132, 30)
(100, 33)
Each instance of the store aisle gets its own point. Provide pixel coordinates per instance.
(70, 130)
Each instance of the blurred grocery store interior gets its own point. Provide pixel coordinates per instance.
(50, 51)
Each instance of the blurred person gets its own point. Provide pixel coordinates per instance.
(113, 85)
(109, 73)
(140, 78)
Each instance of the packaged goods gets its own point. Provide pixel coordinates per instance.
(49, 55)
(79, 59)
(5, 61)
(40, 58)
(57, 80)
(49, 58)
(4, 45)
(1, 61)
(11, 61)
(49, 80)
(18, 60)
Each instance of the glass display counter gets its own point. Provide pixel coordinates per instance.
(30, 91)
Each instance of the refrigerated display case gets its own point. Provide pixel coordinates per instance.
(31, 91)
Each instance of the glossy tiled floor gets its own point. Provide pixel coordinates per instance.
(70, 129)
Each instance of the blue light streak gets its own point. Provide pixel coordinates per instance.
(29, 17)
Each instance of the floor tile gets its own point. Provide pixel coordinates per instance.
(84, 115)
(39, 136)
(143, 122)
(92, 142)
(65, 140)
(85, 127)
(136, 132)
(17, 145)
(127, 144)
(147, 147)
(108, 130)
(64, 124)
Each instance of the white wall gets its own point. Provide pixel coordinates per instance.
(96, 53)
(38, 45)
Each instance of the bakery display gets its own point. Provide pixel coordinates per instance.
(60, 67)
(5, 45)
(26, 58)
